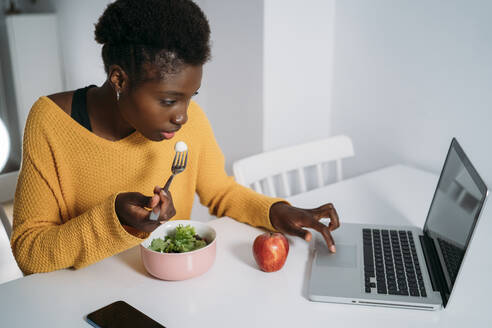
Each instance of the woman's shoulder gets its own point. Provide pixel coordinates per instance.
(58, 102)
(45, 113)
(63, 100)
(196, 115)
(198, 124)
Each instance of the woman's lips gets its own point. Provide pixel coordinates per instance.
(168, 135)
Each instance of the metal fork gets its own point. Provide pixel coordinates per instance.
(179, 164)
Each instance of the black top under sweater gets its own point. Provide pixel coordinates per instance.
(79, 107)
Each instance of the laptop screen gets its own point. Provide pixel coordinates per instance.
(454, 211)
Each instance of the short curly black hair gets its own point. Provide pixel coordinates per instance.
(151, 38)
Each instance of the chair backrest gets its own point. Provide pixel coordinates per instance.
(273, 173)
(9, 270)
(4, 220)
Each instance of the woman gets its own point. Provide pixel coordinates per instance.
(91, 156)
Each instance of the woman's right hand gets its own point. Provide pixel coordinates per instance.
(130, 209)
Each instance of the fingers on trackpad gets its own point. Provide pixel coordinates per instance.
(345, 257)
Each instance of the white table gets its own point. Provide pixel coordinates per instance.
(235, 293)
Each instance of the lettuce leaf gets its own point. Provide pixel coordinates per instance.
(182, 239)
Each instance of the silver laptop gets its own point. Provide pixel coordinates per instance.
(404, 266)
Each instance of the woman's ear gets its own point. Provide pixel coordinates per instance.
(118, 78)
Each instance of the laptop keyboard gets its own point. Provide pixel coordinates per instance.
(452, 257)
(391, 265)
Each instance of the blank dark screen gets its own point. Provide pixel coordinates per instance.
(453, 214)
(121, 315)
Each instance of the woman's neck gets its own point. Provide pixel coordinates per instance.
(105, 117)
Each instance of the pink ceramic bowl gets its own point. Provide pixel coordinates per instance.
(179, 266)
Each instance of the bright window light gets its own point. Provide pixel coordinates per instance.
(4, 145)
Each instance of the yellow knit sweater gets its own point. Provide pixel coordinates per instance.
(64, 206)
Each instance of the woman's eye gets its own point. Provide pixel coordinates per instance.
(168, 102)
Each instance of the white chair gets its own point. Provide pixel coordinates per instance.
(8, 266)
(5, 222)
(296, 169)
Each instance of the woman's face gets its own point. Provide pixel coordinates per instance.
(158, 108)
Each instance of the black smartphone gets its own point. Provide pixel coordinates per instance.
(121, 315)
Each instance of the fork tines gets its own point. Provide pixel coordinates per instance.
(180, 160)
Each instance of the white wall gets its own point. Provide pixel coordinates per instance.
(297, 71)
(232, 85)
(81, 54)
(410, 75)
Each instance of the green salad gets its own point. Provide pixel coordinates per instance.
(182, 239)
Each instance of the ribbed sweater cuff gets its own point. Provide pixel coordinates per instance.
(266, 203)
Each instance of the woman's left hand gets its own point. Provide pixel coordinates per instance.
(291, 220)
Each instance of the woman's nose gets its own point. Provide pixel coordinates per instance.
(180, 118)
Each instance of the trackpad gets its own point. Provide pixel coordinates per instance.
(345, 257)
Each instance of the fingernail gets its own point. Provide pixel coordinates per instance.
(163, 192)
(333, 249)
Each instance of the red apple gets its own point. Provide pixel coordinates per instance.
(270, 250)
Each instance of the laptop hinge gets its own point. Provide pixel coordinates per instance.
(434, 268)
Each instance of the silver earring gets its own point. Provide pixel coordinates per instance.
(117, 95)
